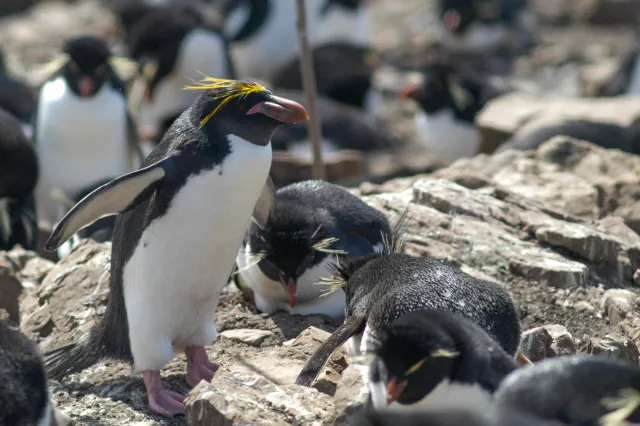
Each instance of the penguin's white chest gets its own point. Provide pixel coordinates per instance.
(79, 141)
(173, 280)
(446, 135)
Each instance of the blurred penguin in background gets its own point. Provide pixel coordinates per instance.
(264, 35)
(83, 130)
(17, 98)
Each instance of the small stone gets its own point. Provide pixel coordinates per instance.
(616, 347)
(36, 269)
(327, 382)
(247, 335)
(10, 290)
(617, 304)
(350, 395)
(563, 343)
(536, 343)
(583, 306)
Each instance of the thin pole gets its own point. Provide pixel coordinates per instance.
(309, 82)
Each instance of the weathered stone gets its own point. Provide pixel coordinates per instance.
(563, 343)
(536, 343)
(617, 304)
(248, 336)
(10, 291)
(636, 277)
(606, 12)
(616, 347)
(36, 269)
(249, 398)
(327, 382)
(350, 395)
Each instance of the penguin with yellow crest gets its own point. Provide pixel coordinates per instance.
(181, 220)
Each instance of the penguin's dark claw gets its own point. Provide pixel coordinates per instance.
(198, 366)
(161, 400)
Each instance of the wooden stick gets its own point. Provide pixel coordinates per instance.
(309, 82)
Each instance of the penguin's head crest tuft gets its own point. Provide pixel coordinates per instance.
(225, 90)
(622, 406)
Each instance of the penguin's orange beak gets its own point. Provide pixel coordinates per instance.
(394, 390)
(410, 91)
(291, 289)
(281, 109)
(86, 86)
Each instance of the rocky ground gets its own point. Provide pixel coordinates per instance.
(559, 227)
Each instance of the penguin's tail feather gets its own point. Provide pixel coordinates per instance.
(69, 359)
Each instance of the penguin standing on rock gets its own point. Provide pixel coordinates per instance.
(182, 219)
(83, 131)
(426, 357)
(18, 178)
(24, 396)
(312, 224)
(382, 287)
(173, 46)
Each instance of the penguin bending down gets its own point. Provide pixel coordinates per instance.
(343, 127)
(575, 390)
(18, 178)
(173, 46)
(182, 219)
(83, 130)
(264, 35)
(603, 134)
(427, 357)
(313, 223)
(17, 98)
(24, 396)
(449, 100)
(382, 287)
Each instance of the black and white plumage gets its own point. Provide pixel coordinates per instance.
(574, 390)
(17, 98)
(603, 134)
(24, 395)
(427, 357)
(344, 72)
(264, 35)
(174, 46)
(18, 177)
(312, 223)
(486, 26)
(343, 127)
(449, 99)
(197, 189)
(83, 131)
(382, 287)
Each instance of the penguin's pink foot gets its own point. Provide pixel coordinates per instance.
(161, 400)
(198, 365)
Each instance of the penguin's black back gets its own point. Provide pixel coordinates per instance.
(23, 394)
(18, 160)
(343, 71)
(606, 135)
(344, 125)
(389, 286)
(568, 389)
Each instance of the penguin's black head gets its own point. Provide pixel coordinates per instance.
(295, 239)
(242, 108)
(87, 68)
(413, 356)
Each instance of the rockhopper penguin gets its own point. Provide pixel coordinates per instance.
(18, 178)
(384, 286)
(312, 225)
(427, 357)
(83, 131)
(24, 396)
(182, 219)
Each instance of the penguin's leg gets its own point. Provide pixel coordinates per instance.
(198, 365)
(162, 400)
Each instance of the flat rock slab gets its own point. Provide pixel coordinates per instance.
(246, 335)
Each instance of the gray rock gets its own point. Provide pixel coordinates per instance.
(563, 343)
(616, 347)
(350, 394)
(10, 291)
(617, 304)
(246, 335)
(536, 344)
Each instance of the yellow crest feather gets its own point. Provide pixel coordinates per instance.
(226, 90)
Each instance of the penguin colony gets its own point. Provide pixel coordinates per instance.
(182, 151)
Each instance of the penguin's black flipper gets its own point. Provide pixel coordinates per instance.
(117, 196)
(266, 204)
(317, 361)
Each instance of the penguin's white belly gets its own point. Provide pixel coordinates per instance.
(339, 24)
(79, 141)
(270, 295)
(447, 136)
(470, 395)
(173, 280)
